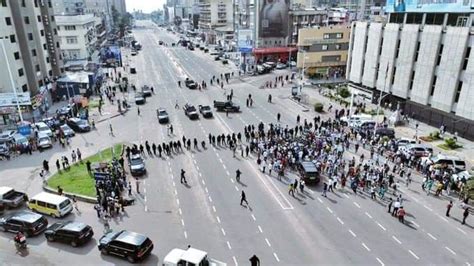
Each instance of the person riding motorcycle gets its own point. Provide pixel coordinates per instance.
(20, 239)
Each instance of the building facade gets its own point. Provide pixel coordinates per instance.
(77, 34)
(323, 51)
(423, 64)
(213, 14)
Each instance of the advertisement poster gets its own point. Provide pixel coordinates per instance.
(429, 6)
(273, 18)
(245, 40)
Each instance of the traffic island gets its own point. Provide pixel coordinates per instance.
(77, 180)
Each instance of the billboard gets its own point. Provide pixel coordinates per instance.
(245, 40)
(430, 6)
(9, 99)
(273, 20)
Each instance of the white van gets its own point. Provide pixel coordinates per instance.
(50, 204)
(355, 120)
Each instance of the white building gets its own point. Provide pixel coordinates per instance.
(426, 68)
(213, 14)
(77, 36)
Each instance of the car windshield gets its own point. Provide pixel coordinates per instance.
(163, 113)
(43, 139)
(206, 108)
(64, 204)
(81, 122)
(43, 128)
(136, 161)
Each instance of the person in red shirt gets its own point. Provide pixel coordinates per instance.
(401, 215)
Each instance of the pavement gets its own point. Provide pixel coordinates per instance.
(280, 229)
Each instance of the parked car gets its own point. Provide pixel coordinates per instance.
(163, 116)
(281, 65)
(19, 139)
(385, 132)
(7, 135)
(12, 198)
(205, 111)
(4, 150)
(225, 62)
(140, 98)
(70, 232)
(146, 90)
(190, 111)
(137, 165)
(405, 141)
(453, 162)
(462, 176)
(130, 245)
(50, 204)
(54, 122)
(416, 150)
(134, 52)
(67, 131)
(226, 106)
(79, 125)
(44, 142)
(191, 84)
(42, 128)
(190, 256)
(30, 223)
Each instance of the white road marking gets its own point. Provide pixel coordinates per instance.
(223, 166)
(174, 184)
(413, 254)
(220, 160)
(218, 219)
(144, 198)
(365, 246)
(356, 204)
(182, 222)
(381, 226)
(260, 229)
(180, 211)
(194, 161)
(200, 174)
(380, 261)
(177, 201)
(197, 167)
(340, 221)
(347, 196)
(396, 239)
(228, 245)
(428, 208)
(144, 190)
(352, 233)
(329, 209)
(146, 208)
(185, 235)
(268, 242)
(430, 235)
(415, 224)
(368, 215)
(236, 188)
(206, 190)
(203, 182)
(446, 220)
(253, 217)
(210, 199)
(227, 172)
(450, 250)
(462, 231)
(320, 200)
(235, 260)
(223, 232)
(276, 257)
(468, 264)
(232, 180)
(214, 208)
(176, 192)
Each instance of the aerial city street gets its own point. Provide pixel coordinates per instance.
(168, 146)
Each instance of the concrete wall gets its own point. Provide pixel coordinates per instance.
(406, 57)
(386, 62)
(372, 54)
(358, 50)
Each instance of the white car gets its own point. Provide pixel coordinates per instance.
(191, 256)
(280, 66)
(43, 129)
(44, 142)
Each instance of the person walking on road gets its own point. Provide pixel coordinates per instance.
(183, 178)
(448, 208)
(111, 130)
(254, 261)
(138, 111)
(243, 198)
(237, 175)
(464, 215)
(278, 117)
(325, 189)
(390, 205)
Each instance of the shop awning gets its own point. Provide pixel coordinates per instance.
(275, 50)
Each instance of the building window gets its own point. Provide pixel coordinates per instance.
(324, 47)
(458, 92)
(30, 36)
(42, 32)
(12, 38)
(52, 18)
(39, 18)
(338, 47)
(70, 27)
(57, 44)
(71, 40)
(4, 2)
(8, 21)
(466, 58)
(24, 88)
(27, 20)
(412, 79)
(37, 68)
(16, 55)
(21, 72)
(440, 54)
(55, 32)
(47, 59)
(45, 47)
(326, 36)
(23, 4)
(433, 86)
(417, 51)
(33, 52)
(338, 35)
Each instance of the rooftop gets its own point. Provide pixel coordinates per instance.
(75, 19)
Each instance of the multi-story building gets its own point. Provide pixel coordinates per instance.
(323, 51)
(305, 18)
(421, 61)
(213, 14)
(29, 35)
(77, 34)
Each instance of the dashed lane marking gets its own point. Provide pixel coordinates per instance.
(268, 242)
(197, 167)
(220, 160)
(218, 219)
(356, 204)
(200, 174)
(415, 224)
(253, 217)
(329, 209)
(347, 196)
(320, 200)
(210, 199)
(260, 229)
(146, 208)
(396, 239)
(228, 245)
(432, 236)
(176, 192)
(460, 230)
(177, 201)
(365, 246)
(236, 188)
(428, 208)
(368, 215)
(223, 232)
(180, 211)
(380, 261)
(203, 182)
(340, 221)
(214, 208)
(413, 254)
(185, 235)
(352, 233)
(381, 226)
(182, 222)
(232, 180)
(227, 172)
(276, 257)
(207, 191)
(450, 250)
(235, 260)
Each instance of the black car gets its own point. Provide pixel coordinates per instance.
(54, 123)
(191, 84)
(160, 42)
(205, 111)
(30, 223)
(130, 245)
(163, 116)
(385, 132)
(137, 165)
(308, 172)
(79, 125)
(146, 90)
(73, 233)
(191, 48)
(190, 111)
(140, 98)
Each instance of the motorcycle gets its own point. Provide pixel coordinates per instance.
(21, 244)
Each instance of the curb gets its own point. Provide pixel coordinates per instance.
(79, 197)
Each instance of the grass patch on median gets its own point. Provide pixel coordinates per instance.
(77, 180)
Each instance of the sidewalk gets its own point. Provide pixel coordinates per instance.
(407, 131)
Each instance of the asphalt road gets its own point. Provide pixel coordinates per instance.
(341, 229)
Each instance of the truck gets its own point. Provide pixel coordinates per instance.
(11, 198)
(205, 111)
(190, 256)
(226, 106)
(190, 111)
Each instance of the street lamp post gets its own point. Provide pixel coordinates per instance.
(381, 96)
(10, 75)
